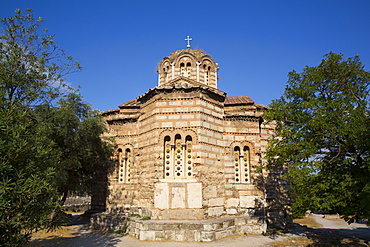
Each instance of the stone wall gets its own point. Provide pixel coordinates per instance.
(171, 230)
(211, 192)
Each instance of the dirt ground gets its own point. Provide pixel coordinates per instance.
(314, 230)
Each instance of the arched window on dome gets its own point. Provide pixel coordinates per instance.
(188, 70)
(178, 162)
(182, 69)
(207, 72)
(242, 164)
(165, 75)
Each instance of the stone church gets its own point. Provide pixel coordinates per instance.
(187, 152)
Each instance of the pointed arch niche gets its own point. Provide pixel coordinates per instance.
(178, 162)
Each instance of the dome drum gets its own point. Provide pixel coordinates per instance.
(192, 64)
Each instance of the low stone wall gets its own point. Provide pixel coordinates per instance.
(179, 230)
(77, 203)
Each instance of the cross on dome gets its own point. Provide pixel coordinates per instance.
(188, 39)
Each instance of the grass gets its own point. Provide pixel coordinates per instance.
(293, 242)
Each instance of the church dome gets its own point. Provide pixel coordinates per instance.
(193, 64)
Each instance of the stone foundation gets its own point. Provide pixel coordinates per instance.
(179, 230)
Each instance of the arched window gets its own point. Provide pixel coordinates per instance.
(182, 69)
(185, 70)
(125, 161)
(178, 157)
(207, 72)
(165, 75)
(242, 164)
(188, 156)
(188, 70)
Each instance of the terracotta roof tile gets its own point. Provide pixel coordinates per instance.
(238, 100)
(129, 104)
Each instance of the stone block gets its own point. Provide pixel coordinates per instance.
(221, 234)
(174, 103)
(197, 236)
(232, 202)
(247, 201)
(246, 229)
(155, 227)
(147, 235)
(181, 124)
(170, 235)
(193, 226)
(187, 116)
(240, 221)
(173, 117)
(194, 123)
(216, 202)
(167, 124)
(212, 141)
(178, 197)
(208, 227)
(179, 237)
(215, 211)
(166, 110)
(218, 226)
(183, 214)
(159, 235)
(231, 211)
(206, 125)
(207, 236)
(194, 195)
(161, 196)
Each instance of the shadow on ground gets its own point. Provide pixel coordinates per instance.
(79, 235)
(333, 237)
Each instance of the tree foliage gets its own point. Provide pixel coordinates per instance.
(323, 137)
(49, 138)
(75, 130)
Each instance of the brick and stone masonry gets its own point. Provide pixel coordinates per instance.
(187, 152)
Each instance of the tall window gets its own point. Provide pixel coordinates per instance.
(178, 157)
(182, 69)
(188, 70)
(242, 164)
(125, 160)
(165, 74)
(207, 71)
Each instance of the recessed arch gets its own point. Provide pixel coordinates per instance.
(177, 161)
(241, 158)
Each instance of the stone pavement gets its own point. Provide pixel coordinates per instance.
(358, 229)
(82, 236)
(90, 238)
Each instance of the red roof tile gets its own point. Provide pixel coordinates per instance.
(129, 104)
(238, 100)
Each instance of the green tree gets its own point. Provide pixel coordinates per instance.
(47, 146)
(75, 130)
(27, 196)
(33, 67)
(323, 137)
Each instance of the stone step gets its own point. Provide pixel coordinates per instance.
(179, 230)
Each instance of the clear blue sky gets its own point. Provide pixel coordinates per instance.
(256, 43)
